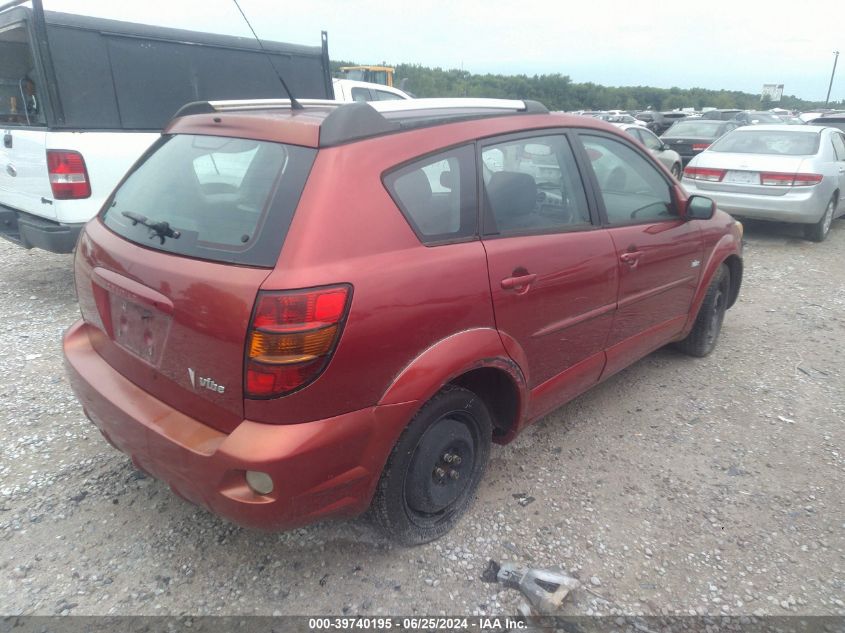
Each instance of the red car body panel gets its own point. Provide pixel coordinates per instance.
(324, 468)
(420, 317)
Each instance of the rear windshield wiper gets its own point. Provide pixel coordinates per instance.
(160, 230)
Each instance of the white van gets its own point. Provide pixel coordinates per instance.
(82, 98)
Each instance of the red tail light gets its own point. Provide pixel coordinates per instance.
(292, 337)
(700, 147)
(789, 180)
(702, 173)
(68, 175)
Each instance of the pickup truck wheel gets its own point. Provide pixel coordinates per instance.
(818, 231)
(434, 469)
(702, 338)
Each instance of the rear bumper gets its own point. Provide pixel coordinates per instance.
(321, 469)
(804, 205)
(31, 231)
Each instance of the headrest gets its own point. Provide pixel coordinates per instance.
(512, 193)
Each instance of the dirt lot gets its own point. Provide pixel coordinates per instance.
(679, 486)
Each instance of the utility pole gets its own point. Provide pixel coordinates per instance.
(833, 72)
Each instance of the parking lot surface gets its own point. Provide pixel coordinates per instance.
(681, 485)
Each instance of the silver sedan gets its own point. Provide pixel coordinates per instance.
(775, 172)
(669, 157)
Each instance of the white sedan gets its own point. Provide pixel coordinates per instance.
(782, 173)
(669, 157)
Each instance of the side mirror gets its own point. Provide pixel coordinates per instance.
(700, 208)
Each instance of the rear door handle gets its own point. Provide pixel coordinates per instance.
(7, 140)
(632, 258)
(512, 283)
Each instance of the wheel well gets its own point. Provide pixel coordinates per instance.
(499, 393)
(734, 265)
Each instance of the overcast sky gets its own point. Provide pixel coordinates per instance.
(736, 45)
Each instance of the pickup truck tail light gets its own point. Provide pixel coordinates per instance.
(702, 173)
(700, 147)
(292, 337)
(68, 175)
(789, 180)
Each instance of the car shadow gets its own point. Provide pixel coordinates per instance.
(766, 232)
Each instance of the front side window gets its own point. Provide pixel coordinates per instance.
(532, 184)
(437, 195)
(632, 188)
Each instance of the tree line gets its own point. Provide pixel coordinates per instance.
(559, 92)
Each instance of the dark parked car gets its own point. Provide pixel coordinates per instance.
(693, 136)
(659, 122)
(750, 117)
(830, 120)
(293, 315)
(720, 114)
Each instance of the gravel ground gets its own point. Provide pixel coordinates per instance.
(679, 486)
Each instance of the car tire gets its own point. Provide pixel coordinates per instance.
(708, 323)
(676, 171)
(423, 490)
(818, 232)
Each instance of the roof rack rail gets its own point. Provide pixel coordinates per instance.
(352, 121)
(409, 105)
(209, 107)
(364, 119)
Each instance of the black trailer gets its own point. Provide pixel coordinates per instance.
(65, 71)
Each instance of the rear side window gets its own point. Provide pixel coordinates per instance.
(838, 146)
(384, 95)
(632, 188)
(650, 140)
(217, 198)
(20, 99)
(532, 185)
(437, 195)
(361, 94)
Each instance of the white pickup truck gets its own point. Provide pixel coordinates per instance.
(82, 98)
(352, 90)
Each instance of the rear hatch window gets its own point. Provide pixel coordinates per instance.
(211, 197)
(694, 129)
(768, 142)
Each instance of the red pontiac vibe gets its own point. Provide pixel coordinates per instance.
(296, 314)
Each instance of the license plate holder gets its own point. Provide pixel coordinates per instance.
(139, 329)
(742, 177)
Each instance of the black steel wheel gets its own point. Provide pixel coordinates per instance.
(434, 469)
(708, 324)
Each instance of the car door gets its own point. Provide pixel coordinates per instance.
(838, 140)
(553, 271)
(658, 253)
(657, 148)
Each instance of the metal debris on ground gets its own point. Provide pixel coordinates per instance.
(523, 499)
(545, 589)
